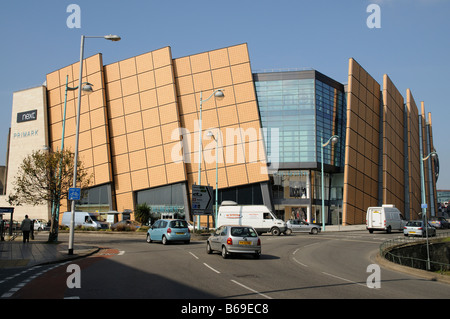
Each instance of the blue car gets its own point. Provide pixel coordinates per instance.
(167, 230)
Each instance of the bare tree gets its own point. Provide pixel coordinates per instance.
(46, 177)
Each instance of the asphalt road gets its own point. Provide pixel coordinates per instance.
(300, 266)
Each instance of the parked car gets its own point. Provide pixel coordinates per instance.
(301, 226)
(234, 239)
(39, 224)
(126, 225)
(416, 228)
(439, 222)
(169, 230)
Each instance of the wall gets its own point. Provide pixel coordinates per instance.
(361, 145)
(26, 136)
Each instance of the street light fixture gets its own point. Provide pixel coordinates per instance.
(333, 140)
(87, 88)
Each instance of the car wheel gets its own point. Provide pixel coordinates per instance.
(224, 252)
(208, 248)
(288, 231)
(187, 242)
(275, 231)
(314, 231)
(388, 230)
(257, 255)
(164, 240)
(149, 239)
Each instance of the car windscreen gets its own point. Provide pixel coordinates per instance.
(414, 224)
(178, 224)
(243, 232)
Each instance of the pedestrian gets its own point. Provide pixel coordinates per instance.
(26, 228)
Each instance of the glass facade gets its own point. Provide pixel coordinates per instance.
(95, 200)
(306, 108)
(164, 200)
(244, 195)
(303, 111)
(331, 117)
(288, 105)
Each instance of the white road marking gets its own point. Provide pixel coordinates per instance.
(252, 290)
(193, 255)
(211, 268)
(299, 262)
(354, 282)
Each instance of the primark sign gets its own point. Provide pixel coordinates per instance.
(27, 116)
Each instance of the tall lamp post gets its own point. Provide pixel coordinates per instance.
(424, 202)
(333, 140)
(72, 222)
(217, 175)
(87, 88)
(217, 94)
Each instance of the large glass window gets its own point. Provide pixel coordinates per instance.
(243, 195)
(95, 199)
(330, 120)
(168, 200)
(302, 111)
(286, 105)
(290, 184)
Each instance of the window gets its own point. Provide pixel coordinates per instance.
(95, 199)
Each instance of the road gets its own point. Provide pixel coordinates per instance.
(301, 266)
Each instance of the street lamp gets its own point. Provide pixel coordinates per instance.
(86, 88)
(217, 175)
(424, 204)
(333, 140)
(219, 95)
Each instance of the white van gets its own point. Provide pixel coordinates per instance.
(84, 219)
(257, 216)
(386, 217)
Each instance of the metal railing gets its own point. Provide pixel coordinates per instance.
(418, 263)
(7, 233)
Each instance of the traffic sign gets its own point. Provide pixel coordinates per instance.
(202, 203)
(74, 193)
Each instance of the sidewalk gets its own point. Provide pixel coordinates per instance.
(37, 252)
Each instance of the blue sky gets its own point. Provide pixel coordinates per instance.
(412, 46)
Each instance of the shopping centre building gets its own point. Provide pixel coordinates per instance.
(139, 136)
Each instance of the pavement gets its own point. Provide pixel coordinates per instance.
(15, 253)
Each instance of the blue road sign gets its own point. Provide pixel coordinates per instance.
(74, 193)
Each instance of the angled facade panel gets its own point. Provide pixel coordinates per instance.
(362, 145)
(393, 146)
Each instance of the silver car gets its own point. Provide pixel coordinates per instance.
(234, 239)
(415, 228)
(297, 226)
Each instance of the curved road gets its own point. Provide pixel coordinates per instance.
(300, 266)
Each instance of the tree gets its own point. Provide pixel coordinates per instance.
(142, 213)
(46, 177)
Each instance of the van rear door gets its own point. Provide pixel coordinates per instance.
(375, 218)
